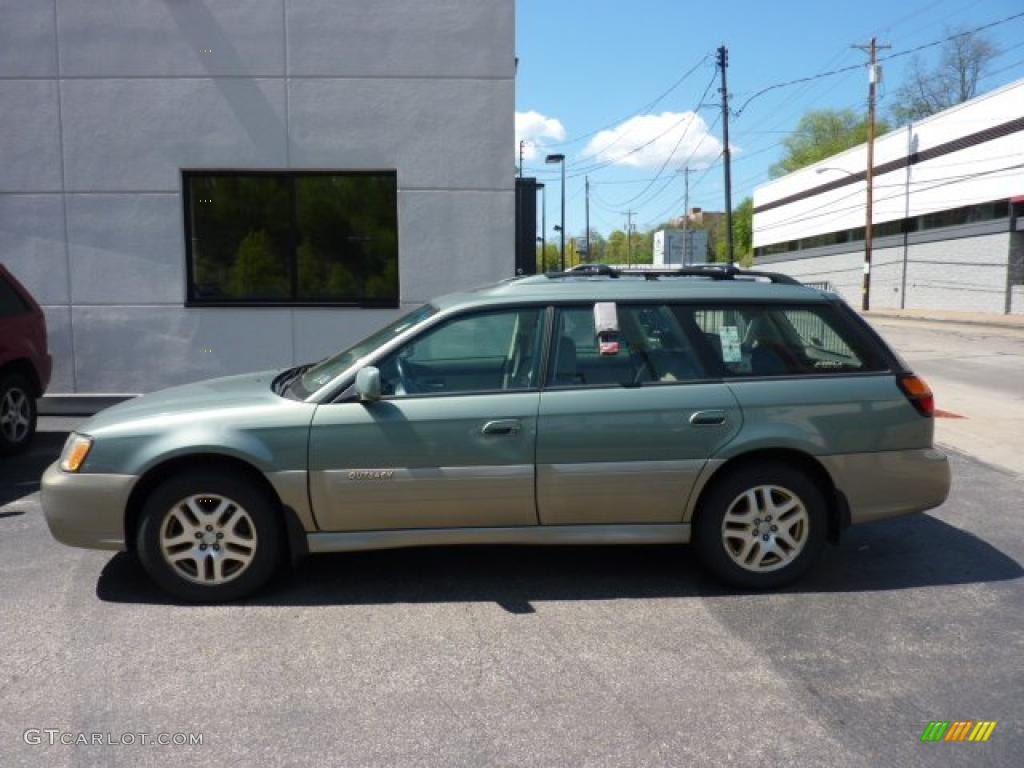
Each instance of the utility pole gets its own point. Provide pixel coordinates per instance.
(874, 71)
(629, 237)
(687, 250)
(589, 258)
(723, 64)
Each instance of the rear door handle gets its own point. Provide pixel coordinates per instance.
(707, 418)
(502, 427)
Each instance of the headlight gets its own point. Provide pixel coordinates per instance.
(75, 450)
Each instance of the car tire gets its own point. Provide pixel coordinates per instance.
(17, 414)
(210, 537)
(761, 526)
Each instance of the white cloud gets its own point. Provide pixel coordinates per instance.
(536, 129)
(658, 136)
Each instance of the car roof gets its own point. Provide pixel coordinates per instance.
(564, 287)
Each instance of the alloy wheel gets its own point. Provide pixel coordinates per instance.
(765, 528)
(15, 415)
(208, 539)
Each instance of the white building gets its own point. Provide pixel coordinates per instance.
(680, 247)
(131, 132)
(948, 213)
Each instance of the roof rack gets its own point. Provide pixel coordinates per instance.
(711, 271)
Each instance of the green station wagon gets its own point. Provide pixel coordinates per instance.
(740, 411)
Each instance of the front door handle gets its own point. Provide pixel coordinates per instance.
(502, 427)
(707, 418)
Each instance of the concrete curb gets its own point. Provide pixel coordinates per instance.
(1011, 322)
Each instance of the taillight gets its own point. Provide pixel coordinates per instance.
(918, 393)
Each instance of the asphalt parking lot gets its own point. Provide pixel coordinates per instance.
(527, 657)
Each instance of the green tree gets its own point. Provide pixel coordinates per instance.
(823, 133)
(598, 248)
(257, 270)
(548, 261)
(615, 249)
(743, 231)
(643, 247)
(742, 235)
(962, 61)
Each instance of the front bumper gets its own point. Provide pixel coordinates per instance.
(85, 510)
(890, 483)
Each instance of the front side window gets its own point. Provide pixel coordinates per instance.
(292, 238)
(653, 349)
(485, 352)
(781, 341)
(328, 369)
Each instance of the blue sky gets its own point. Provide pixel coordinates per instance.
(586, 65)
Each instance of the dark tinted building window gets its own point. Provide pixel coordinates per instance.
(999, 209)
(292, 238)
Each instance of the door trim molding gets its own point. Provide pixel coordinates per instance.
(649, 533)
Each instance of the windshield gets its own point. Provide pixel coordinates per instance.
(321, 373)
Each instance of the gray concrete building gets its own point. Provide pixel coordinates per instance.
(195, 188)
(948, 213)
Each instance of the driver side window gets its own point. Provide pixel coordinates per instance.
(485, 352)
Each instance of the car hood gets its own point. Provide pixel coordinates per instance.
(192, 401)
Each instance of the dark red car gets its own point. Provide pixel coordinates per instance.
(24, 363)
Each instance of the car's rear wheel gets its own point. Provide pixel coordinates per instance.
(761, 526)
(209, 537)
(17, 414)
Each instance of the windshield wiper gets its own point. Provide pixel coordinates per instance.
(285, 378)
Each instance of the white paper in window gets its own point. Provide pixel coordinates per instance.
(730, 338)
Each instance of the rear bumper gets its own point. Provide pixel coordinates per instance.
(85, 510)
(890, 483)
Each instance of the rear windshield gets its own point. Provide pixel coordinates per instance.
(783, 340)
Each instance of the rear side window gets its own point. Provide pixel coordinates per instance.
(783, 341)
(11, 303)
(653, 349)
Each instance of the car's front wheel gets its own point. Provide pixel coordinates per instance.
(17, 414)
(209, 537)
(761, 526)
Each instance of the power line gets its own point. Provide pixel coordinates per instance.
(675, 149)
(643, 110)
(693, 186)
(898, 54)
(689, 117)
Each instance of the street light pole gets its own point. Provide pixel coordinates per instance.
(552, 159)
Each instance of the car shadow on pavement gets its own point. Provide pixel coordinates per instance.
(895, 555)
(21, 474)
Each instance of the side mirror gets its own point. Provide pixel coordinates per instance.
(368, 384)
